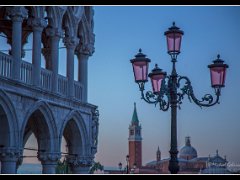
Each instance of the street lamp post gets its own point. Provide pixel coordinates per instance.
(127, 160)
(120, 167)
(127, 165)
(166, 88)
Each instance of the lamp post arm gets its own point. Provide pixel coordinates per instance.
(206, 101)
(164, 105)
(149, 97)
(164, 92)
(152, 98)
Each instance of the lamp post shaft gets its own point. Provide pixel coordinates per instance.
(127, 159)
(173, 163)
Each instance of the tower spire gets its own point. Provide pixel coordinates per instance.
(135, 141)
(187, 141)
(135, 116)
(158, 155)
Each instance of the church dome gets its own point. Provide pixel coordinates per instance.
(188, 152)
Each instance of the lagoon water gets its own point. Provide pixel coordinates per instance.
(30, 169)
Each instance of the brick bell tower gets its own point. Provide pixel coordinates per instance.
(135, 141)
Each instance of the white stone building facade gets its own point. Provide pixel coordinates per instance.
(39, 100)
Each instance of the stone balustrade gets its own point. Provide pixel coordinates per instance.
(26, 77)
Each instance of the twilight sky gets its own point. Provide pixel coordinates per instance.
(120, 32)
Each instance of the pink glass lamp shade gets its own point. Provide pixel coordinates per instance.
(218, 72)
(140, 67)
(157, 76)
(174, 37)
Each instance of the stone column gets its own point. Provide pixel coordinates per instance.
(20, 159)
(46, 53)
(83, 55)
(17, 14)
(54, 35)
(49, 162)
(8, 158)
(80, 164)
(37, 25)
(70, 43)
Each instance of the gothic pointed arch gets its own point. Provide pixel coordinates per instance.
(40, 121)
(35, 17)
(87, 10)
(6, 24)
(78, 11)
(83, 30)
(35, 11)
(71, 19)
(75, 133)
(55, 16)
(86, 36)
(9, 128)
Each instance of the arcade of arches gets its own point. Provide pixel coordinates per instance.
(35, 98)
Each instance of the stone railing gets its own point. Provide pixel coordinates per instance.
(26, 72)
(62, 85)
(78, 89)
(5, 65)
(46, 79)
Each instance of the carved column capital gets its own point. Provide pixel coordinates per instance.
(86, 49)
(9, 154)
(71, 42)
(37, 23)
(80, 161)
(17, 13)
(47, 157)
(53, 32)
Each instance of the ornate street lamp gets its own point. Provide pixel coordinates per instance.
(174, 38)
(140, 67)
(218, 72)
(157, 76)
(120, 167)
(167, 89)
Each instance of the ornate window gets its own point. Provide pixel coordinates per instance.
(131, 132)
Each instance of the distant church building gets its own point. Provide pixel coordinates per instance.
(189, 161)
(216, 165)
(35, 98)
